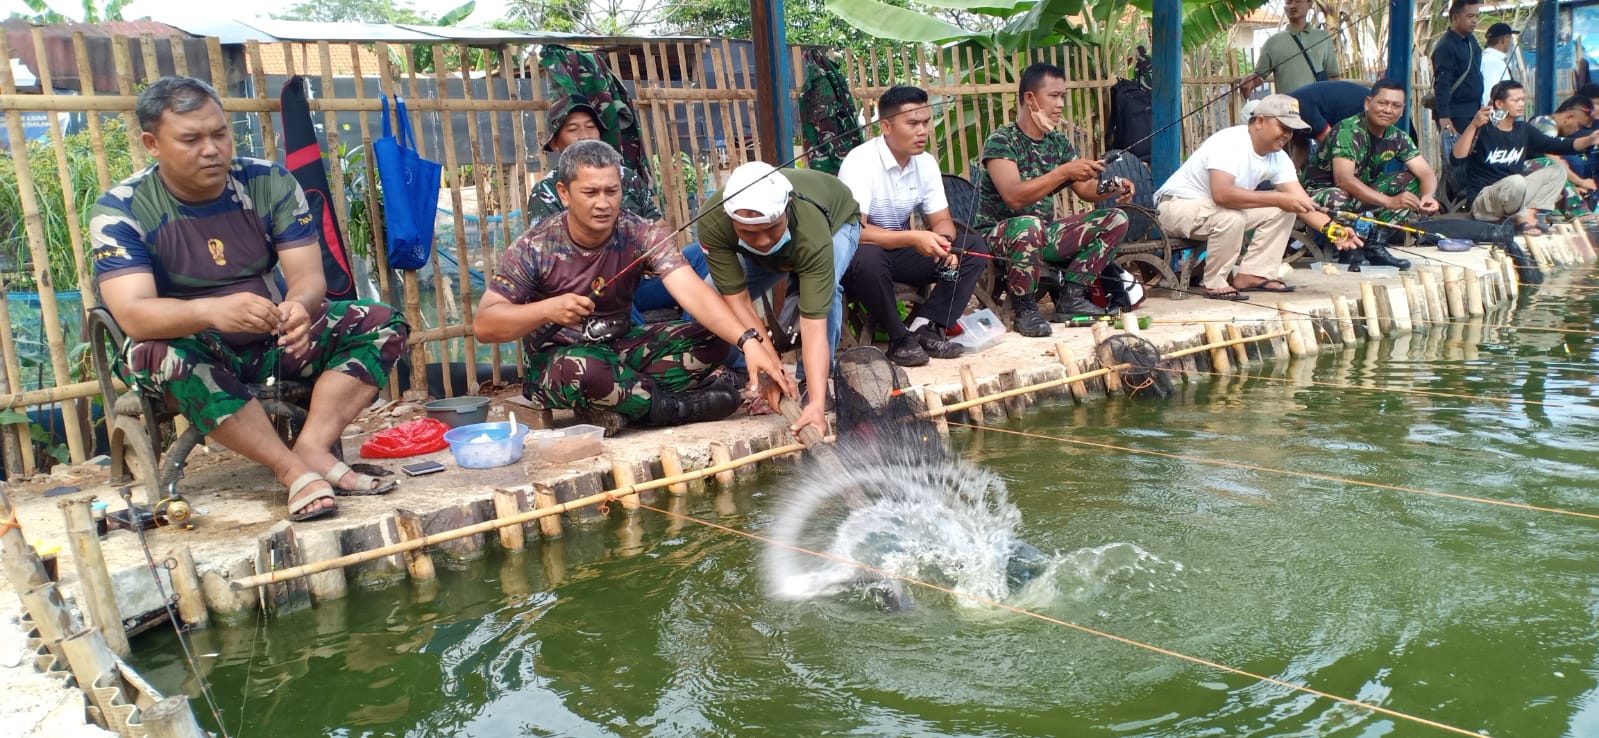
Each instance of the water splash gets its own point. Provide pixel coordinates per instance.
(895, 508)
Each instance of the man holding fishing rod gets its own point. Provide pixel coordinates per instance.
(1349, 171)
(1504, 162)
(577, 272)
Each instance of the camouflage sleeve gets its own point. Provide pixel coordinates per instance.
(1343, 143)
(1407, 147)
(290, 216)
(998, 146)
(1064, 150)
(116, 239)
(542, 201)
(637, 197)
(517, 278)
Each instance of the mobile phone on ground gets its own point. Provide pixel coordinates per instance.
(422, 467)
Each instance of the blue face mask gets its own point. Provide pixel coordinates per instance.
(776, 247)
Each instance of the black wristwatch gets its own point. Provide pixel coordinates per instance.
(748, 334)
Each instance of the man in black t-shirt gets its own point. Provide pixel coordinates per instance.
(1496, 146)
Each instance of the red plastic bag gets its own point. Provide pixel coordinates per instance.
(420, 436)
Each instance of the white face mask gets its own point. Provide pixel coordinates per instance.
(776, 247)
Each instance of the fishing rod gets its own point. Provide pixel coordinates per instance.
(1351, 217)
(1107, 182)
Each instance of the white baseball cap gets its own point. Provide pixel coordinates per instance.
(757, 186)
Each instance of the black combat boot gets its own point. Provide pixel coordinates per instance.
(907, 351)
(1027, 321)
(1074, 302)
(1377, 252)
(937, 345)
(694, 406)
(1355, 258)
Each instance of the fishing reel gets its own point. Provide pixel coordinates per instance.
(1108, 182)
(947, 273)
(1336, 231)
(600, 330)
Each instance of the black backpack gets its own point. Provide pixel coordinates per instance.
(1132, 119)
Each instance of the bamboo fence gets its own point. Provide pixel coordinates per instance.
(480, 110)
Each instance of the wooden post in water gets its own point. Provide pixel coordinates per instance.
(720, 455)
(1218, 355)
(1240, 351)
(171, 718)
(99, 597)
(969, 393)
(419, 562)
(671, 466)
(1401, 310)
(1068, 363)
(321, 545)
(186, 585)
(1413, 299)
(544, 496)
(1130, 323)
(509, 504)
(1432, 292)
(1368, 304)
(1113, 380)
(1296, 342)
(622, 475)
(935, 410)
(1346, 322)
(1473, 293)
(1453, 292)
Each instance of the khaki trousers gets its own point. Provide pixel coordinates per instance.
(1508, 197)
(1223, 231)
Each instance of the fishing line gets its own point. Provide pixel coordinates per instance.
(1305, 475)
(167, 601)
(1074, 626)
(1364, 388)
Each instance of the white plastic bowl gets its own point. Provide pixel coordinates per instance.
(486, 445)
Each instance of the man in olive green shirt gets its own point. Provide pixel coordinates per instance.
(774, 222)
(1293, 58)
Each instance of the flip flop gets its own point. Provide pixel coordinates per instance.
(1266, 286)
(1228, 296)
(300, 513)
(1528, 229)
(367, 485)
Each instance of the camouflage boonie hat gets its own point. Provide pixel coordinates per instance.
(564, 106)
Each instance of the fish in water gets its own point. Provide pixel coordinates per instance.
(1023, 564)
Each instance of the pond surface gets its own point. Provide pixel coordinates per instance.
(1472, 615)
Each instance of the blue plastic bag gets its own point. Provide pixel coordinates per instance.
(410, 187)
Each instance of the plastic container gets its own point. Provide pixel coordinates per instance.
(1454, 245)
(458, 411)
(486, 445)
(979, 330)
(560, 445)
(1319, 266)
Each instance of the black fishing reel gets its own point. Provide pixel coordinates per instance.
(947, 273)
(600, 330)
(1108, 182)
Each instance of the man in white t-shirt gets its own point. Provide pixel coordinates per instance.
(1212, 198)
(893, 176)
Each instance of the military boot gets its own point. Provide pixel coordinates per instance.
(1027, 321)
(1074, 302)
(694, 406)
(1377, 251)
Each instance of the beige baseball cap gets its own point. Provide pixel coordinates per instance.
(1284, 108)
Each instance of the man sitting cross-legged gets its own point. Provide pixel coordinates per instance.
(1349, 172)
(891, 176)
(1496, 146)
(183, 256)
(1212, 198)
(565, 286)
(1024, 164)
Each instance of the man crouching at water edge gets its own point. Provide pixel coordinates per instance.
(565, 287)
(183, 258)
(1212, 197)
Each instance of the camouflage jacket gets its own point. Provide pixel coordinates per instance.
(1350, 140)
(1033, 159)
(827, 114)
(637, 198)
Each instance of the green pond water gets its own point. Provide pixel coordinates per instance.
(1476, 616)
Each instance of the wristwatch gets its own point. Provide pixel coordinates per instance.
(748, 334)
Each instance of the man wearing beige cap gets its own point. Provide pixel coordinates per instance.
(1212, 198)
(768, 224)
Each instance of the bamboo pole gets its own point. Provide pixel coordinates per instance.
(1413, 299)
(51, 616)
(47, 395)
(1473, 289)
(63, 173)
(969, 394)
(39, 250)
(935, 408)
(1068, 364)
(1346, 323)
(543, 498)
(1368, 304)
(186, 585)
(94, 665)
(17, 444)
(411, 302)
(171, 718)
(417, 560)
(252, 49)
(720, 456)
(622, 476)
(508, 504)
(1452, 292)
(672, 466)
(99, 596)
(374, 208)
(1113, 380)
(1433, 295)
(1218, 355)
(21, 562)
(1400, 308)
(1240, 349)
(80, 56)
(130, 122)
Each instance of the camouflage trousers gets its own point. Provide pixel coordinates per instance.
(1081, 245)
(205, 377)
(621, 374)
(1570, 201)
(1392, 183)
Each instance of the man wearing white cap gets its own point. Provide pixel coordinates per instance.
(769, 223)
(1212, 197)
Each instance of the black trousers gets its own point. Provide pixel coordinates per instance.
(872, 274)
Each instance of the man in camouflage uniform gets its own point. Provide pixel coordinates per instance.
(564, 288)
(183, 256)
(1024, 164)
(1348, 172)
(572, 119)
(586, 75)
(827, 114)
